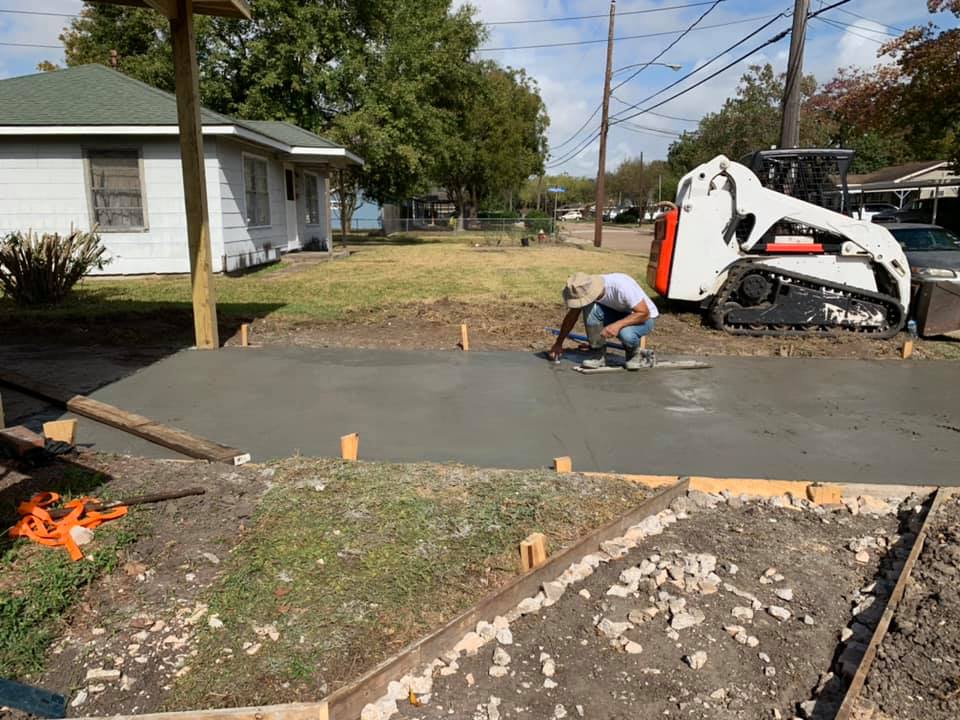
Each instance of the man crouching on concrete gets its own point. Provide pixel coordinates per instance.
(612, 305)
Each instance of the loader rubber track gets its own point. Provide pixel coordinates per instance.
(790, 321)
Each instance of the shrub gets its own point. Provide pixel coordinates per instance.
(538, 220)
(42, 269)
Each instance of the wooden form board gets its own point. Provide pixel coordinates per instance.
(164, 435)
(533, 552)
(349, 701)
(350, 446)
(860, 677)
(290, 711)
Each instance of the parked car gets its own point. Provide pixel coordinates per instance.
(630, 215)
(868, 210)
(932, 251)
(921, 211)
(934, 256)
(572, 215)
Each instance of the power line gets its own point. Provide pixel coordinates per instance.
(37, 12)
(864, 17)
(591, 17)
(708, 62)
(649, 130)
(776, 38)
(662, 115)
(625, 37)
(840, 26)
(581, 146)
(580, 129)
(668, 47)
(840, 23)
(32, 45)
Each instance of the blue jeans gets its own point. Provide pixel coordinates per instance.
(598, 315)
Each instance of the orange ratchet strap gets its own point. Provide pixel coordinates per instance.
(36, 523)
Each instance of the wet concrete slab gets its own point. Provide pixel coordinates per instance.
(827, 420)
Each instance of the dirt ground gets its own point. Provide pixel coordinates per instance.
(218, 600)
(916, 675)
(436, 326)
(135, 624)
(798, 561)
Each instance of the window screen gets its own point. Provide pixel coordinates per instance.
(312, 198)
(257, 193)
(116, 194)
(291, 195)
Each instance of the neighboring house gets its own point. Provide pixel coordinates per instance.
(367, 215)
(89, 146)
(899, 184)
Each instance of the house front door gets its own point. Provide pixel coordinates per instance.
(293, 221)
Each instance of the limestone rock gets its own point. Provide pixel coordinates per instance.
(585, 594)
(696, 660)
(780, 613)
(531, 604)
(505, 636)
(498, 671)
(501, 657)
(633, 648)
(612, 629)
(684, 620)
(493, 708)
(552, 592)
(469, 644)
(486, 630)
(785, 594)
(548, 667)
(742, 613)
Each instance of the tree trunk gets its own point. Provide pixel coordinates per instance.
(347, 192)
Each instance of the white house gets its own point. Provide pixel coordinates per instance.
(89, 146)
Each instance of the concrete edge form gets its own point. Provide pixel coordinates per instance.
(852, 695)
(138, 425)
(767, 487)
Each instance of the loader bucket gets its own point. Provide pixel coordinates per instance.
(937, 309)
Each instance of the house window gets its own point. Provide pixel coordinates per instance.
(116, 190)
(257, 192)
(312, 198)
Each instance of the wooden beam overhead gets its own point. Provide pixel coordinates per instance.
(167, 8)
(222, 8)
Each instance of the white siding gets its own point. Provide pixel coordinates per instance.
(43, 187)
(246, 246)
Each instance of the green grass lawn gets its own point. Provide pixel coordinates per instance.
(348, 562)
(373, 278)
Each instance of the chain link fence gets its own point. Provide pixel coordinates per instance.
(501, 231)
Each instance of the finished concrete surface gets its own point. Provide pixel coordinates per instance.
(827, 420)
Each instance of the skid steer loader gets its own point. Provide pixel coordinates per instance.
(761, 262)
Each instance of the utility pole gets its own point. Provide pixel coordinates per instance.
(790, 119)
(604, 126)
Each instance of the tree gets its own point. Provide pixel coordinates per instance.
(747, 122)
(495, 138)
(375, 74)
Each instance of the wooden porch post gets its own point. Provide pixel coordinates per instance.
(194, 176)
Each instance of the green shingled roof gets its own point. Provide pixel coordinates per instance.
(97, 95)
(288, 133)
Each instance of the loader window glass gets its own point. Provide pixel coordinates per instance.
(926, 239)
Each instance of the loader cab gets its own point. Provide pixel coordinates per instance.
(814, 175)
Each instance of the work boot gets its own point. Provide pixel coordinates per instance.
(638, 359)
(598, 348)
(597, 360)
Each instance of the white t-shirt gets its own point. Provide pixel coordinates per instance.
(622, 293)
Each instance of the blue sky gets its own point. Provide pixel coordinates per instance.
(570, 78)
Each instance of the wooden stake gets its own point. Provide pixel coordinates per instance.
(825, 494)
(907, 349)
(350, 446)
(464, 338)
(194, 174)
(563, 464)
(245, 335)
(3, 422)
(643, 342)
(61, 431)
(533, 552)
